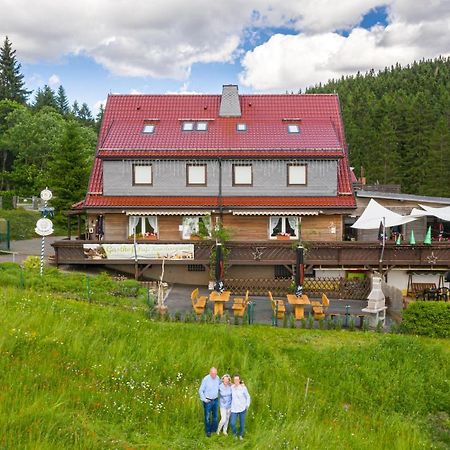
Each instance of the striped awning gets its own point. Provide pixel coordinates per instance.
(276, 213)
(167, 213)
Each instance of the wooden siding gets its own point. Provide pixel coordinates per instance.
(318, 228)
(168, 227)
(247, 228)
(116, 226)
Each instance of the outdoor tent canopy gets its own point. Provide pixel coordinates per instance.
(375, 213)
(440, 213)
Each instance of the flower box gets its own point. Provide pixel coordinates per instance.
(282, 237)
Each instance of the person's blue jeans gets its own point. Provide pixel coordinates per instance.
(211, 409)
(233, 420)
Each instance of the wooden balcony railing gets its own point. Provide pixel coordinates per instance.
(348, 254)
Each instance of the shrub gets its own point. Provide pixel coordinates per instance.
(427, 318)
(7, 199)
(32, 262)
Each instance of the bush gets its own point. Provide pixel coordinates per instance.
(32, 262)
(7, 199)
(427, 318)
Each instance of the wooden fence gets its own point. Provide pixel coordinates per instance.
(338, 287)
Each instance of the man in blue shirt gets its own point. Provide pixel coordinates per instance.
(209, 393)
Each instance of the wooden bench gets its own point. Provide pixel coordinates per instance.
(278, 307)
(198, 302)
(417, 289)
(240, 305)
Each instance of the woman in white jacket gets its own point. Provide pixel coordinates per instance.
(240, 401)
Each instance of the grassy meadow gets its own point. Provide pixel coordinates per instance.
(102, 375)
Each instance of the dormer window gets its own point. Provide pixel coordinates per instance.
(149, 128)
(293, 128)
(188, 126)
(241, 127)
(202, 126)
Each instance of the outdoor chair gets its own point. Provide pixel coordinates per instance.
(278, 307)
(325, 302)
(240, 305)
(198, 302)
(318, 312)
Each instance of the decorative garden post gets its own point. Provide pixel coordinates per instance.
(44, 226)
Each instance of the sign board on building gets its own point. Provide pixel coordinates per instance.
(142, 251)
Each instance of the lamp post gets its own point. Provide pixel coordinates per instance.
(44, 226)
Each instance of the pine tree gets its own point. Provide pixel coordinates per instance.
(11, 79)
(99, 118)
(62, 102)
(75, 110)
(45, 97)
(70, 164)
(85, 114)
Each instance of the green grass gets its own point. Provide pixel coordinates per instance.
(101, 376)
(23, 222)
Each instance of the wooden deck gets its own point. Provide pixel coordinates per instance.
(319, 254)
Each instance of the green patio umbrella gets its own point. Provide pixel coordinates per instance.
(427, 239)
(412, 239)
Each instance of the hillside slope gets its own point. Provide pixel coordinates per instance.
(85, 376)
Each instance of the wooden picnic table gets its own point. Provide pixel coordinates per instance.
(219, 300)
(299, 304)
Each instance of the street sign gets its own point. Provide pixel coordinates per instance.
(44, 227)
(46, 194)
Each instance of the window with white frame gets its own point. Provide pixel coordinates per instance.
(149, 128)
(242, 174)
(241, 127)
(142, 226)
(202, 126)
(142, 174)
(284, 226)
(196, 226)
(196, 174)
(296, 174)
(293, 128)
(188, 126)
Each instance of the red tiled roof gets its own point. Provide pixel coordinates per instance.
(265, 117)
(213, 202)
(321, 136)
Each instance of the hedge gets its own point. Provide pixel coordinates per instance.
(427, 319)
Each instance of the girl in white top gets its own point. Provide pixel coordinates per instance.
(224, 403)
(240, 401)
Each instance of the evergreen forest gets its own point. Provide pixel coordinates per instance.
(397, 124)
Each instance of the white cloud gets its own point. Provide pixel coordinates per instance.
(54, 81)
(298, 61)
(97, 105)
(161, 38)
(165, 38)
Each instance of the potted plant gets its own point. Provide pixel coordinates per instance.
(150, 236)
(284, 236)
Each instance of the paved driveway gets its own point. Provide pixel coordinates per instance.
(21, 249)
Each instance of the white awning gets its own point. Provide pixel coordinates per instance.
(441, 213)
(374, 214)
(167, 213)
(275, 213)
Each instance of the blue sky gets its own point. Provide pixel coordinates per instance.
(264, 46)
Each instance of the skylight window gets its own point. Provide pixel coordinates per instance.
(149, 128)
(202, 126)
(293, 128)
(241, 127)
(188, 126)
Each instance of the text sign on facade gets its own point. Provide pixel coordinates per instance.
(143, 251)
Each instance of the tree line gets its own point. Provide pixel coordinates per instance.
(397, 124)
(45, 141)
